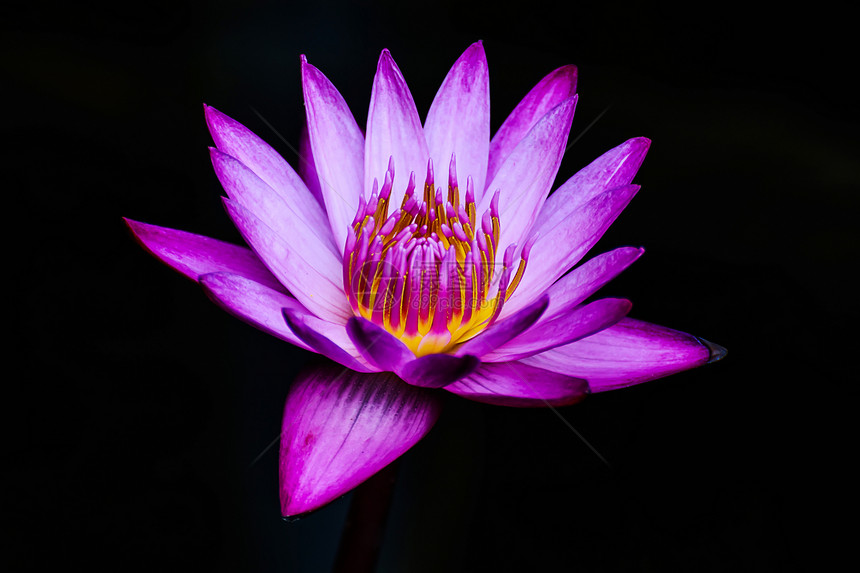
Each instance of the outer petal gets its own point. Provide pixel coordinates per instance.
(520, 385)
(244, 187)
(526, 177)
(393, 130)
(338, 149)
(556, 87)
(554, 253)
(438, 370)
(252, 302)
(233, 138)
(308, 167)
(341, 427)
(503, 331)
(564, 329)
(315, 291)
(195, 255)
(459, 118)
(630, 352)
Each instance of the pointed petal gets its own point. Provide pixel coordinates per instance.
(252, 302)
(252, 193)
(561, 248)
(233, 138)
(520, 385)
(325, 338)
(630, 352)
(556, 87)
(459, 118)
(377, 345)
(195, 255)
(393, 130)
(564, 329)
(338, 149)
(314, 290)
(341, 427)
(438, 370)
(503, 331)
(526, 178)
(308, 168)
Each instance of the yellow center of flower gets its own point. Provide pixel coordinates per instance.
(427, 272)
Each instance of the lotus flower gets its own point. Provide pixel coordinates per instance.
(419, 258)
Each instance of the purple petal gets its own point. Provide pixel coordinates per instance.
(341, 427)
(315, 291)
(233, 138)
(393, 130)
(527, 175)
(377, 345)
(437, 370)
(503, 331)
(564, 329)
(195, 255)
(338, 149)
(308, 168)
(556, 87)
(253, 194)
(325, 338)
(520, 385)
(459, 118)
(252, 302)
(554, 253)
(630, 352)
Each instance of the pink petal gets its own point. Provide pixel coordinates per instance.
(459, 118)
(630, 352)
(341, 427)
(379, 347)
(253, 194)
(527, 175)
(233, 138)
(393, 130)
(338, 149)
(564, 329)
(557, 251)
(520, 385)
(556, 87)
(437, 370)
(195, 255)
(308, 168)
(499, 333)
(314, 290)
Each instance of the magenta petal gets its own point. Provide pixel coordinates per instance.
(341, 427)
(377, 345)
(233, 138)
(315, 291)
(561, 248)
(308, 168)
(520, 385)
(526, 177)
(459, 118)
(254, 303)
(338, 149)
(327, 339)
(556, 87)
(630, 352)
(195, 255)
(437, 370)
(503, 331)
(563, 329)
(393, 130)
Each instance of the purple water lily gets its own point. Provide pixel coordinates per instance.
(423, 257)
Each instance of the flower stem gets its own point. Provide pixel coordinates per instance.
(364, 529)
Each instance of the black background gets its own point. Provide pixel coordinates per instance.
(138, 414)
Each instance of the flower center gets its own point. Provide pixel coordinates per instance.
(427, 273)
